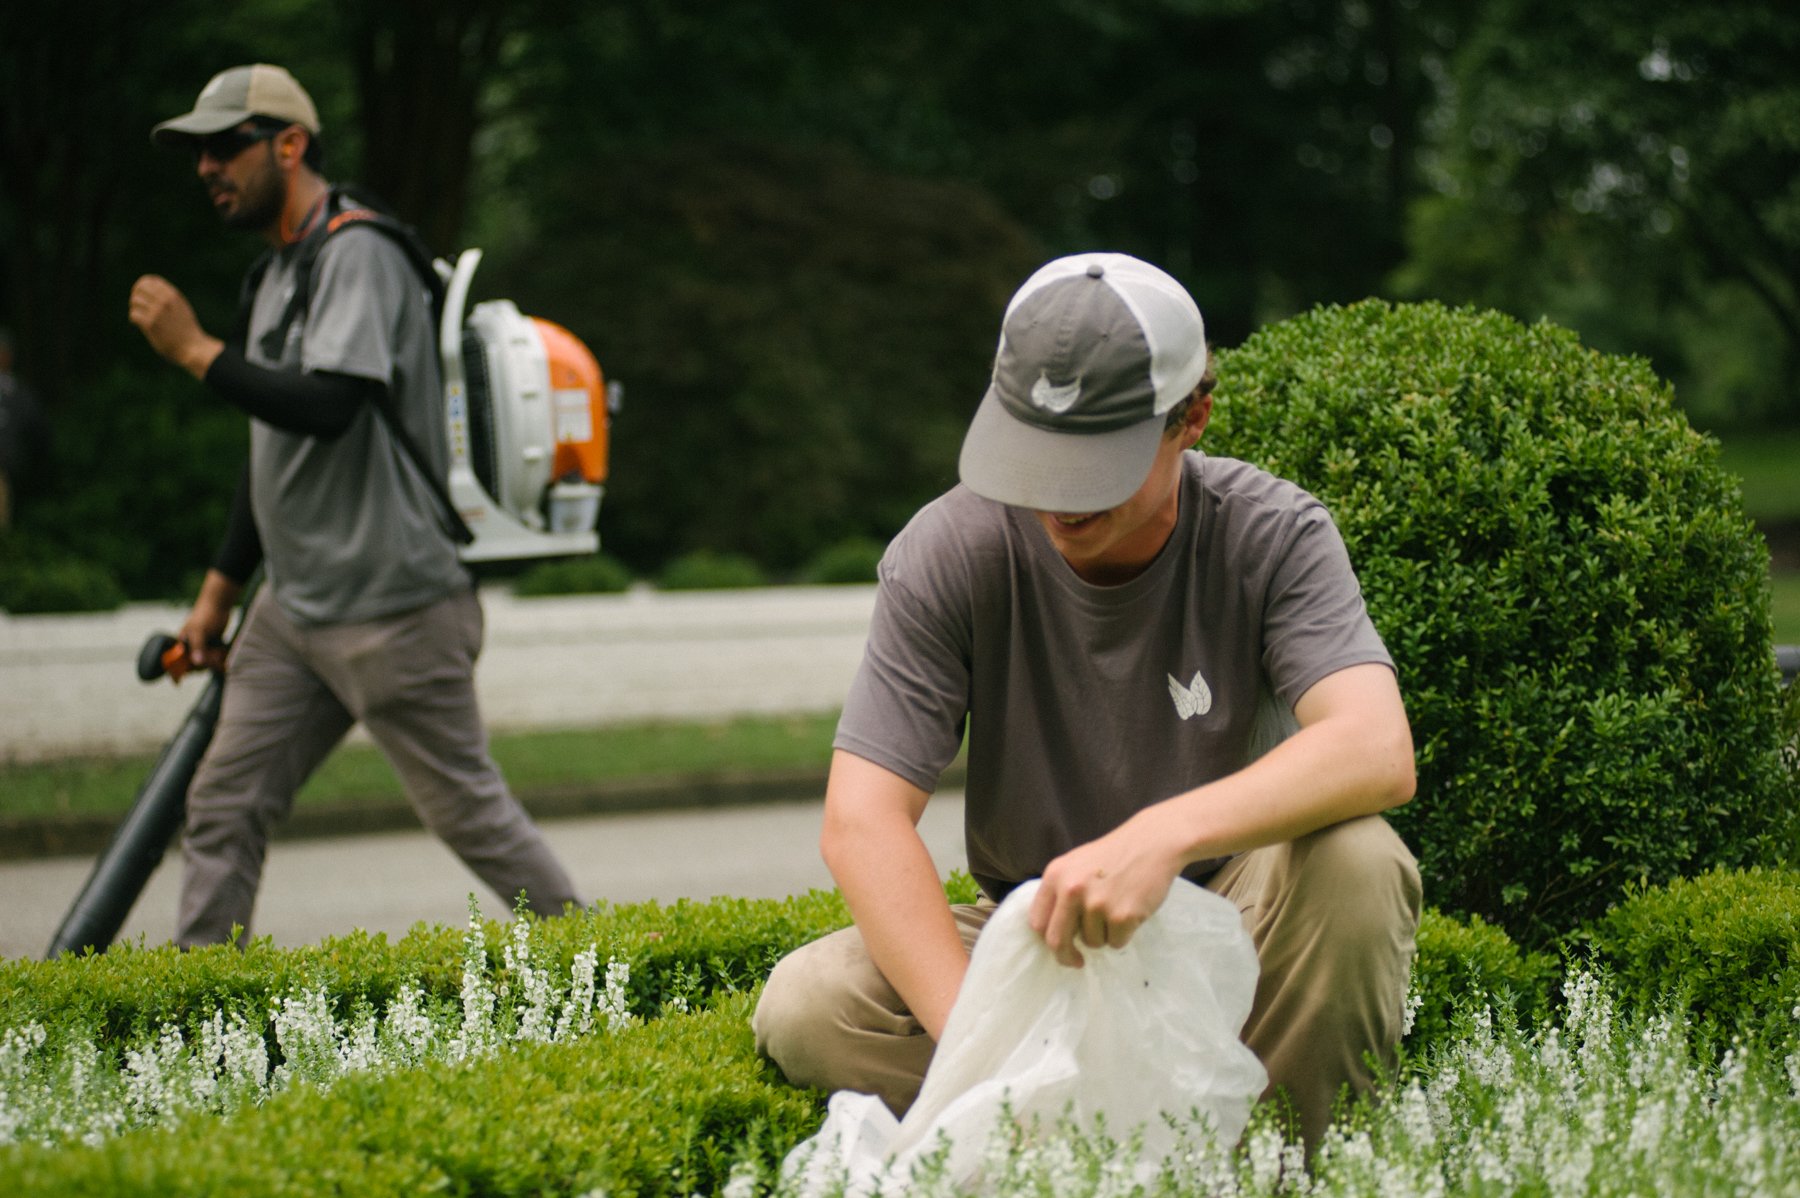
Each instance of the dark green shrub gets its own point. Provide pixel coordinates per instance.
(1565, 576)
(706, 570)
(37, 578)
(1460, 965)
(848, 561)
(595, 573)
(1725, 944)
(144, 463)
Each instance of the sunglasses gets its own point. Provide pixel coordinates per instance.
(223, 147)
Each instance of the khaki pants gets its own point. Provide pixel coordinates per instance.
(292, 693)
(1333, 916)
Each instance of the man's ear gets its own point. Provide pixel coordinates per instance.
(1199, 412)
(290, 146)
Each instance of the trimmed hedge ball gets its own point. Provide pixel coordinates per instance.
(1566, 578)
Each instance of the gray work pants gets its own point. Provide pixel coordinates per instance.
(1333, 916)
(292, 692)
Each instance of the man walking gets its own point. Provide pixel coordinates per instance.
(1164, 667)
(367, 613)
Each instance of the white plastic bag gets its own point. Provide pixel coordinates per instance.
(1136, 1033)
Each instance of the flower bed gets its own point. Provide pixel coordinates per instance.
(609, 1053)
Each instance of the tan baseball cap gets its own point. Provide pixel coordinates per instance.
(234, 96)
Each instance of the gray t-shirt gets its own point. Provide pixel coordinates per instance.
(1085, 704)
(350, 529)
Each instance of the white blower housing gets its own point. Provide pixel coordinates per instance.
(527, 412)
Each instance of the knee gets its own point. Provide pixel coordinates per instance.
(775, 1020)
(794, 1010)
(216, 812)
(829, 1020)
(1359, 874)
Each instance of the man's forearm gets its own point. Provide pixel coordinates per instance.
(312, 403)
(872, 846)
(1352, 757)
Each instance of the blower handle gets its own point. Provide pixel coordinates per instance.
(162, 654)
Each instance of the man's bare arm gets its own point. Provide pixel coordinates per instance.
(872, 846)
(1352, 756)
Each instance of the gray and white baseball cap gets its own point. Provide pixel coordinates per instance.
(234, 96)
(1094, 351)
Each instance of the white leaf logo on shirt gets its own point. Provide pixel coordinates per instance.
(1053, 396)
(1193, 699)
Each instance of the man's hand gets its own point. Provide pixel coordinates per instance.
(168, 323)
(203, 632)
(1100, 893)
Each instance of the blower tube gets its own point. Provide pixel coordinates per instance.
(143, 836)
(138, 845)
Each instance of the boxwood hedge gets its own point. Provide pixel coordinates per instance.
(668, 1106)
(665, 1108)
(698, 948)
(1566, 578)
(1725, 945)
(1463, 963)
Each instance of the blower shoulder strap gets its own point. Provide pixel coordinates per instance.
(348, 210)
(345, 209)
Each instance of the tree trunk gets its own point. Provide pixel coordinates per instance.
(420, 66)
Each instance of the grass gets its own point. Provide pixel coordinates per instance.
(1787, 609)
(1766, 464)
(535, 761)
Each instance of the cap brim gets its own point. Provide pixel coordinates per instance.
(196, 124)
(1015, 463)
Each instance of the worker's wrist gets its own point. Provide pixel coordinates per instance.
(199, 354)
(1180, 826)
(219, 590)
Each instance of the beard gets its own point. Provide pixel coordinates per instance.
(258, 202)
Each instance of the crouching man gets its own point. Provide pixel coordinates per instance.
(1164, 666)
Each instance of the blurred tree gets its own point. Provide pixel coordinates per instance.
(1632, 169)
(73, 156)
(422, 69)
(1262, 152)
(801, 337)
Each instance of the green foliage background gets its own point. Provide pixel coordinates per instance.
(790, 231)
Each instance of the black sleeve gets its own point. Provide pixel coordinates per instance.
(240, 549)
(317, 403)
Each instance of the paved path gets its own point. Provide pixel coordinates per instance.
(68, 684)
(387, 883)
